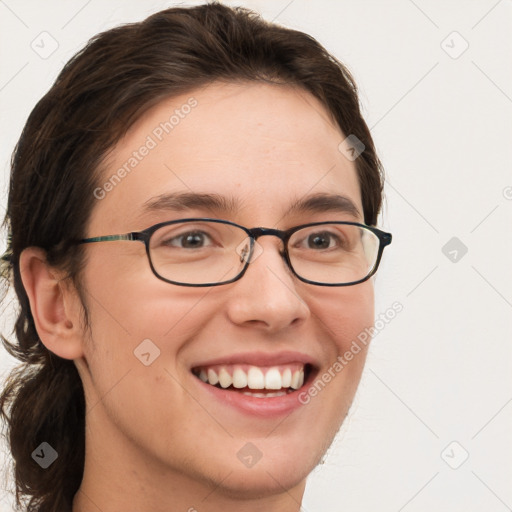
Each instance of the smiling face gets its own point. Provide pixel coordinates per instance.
(246, 153)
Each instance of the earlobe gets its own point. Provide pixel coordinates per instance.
(53, 303)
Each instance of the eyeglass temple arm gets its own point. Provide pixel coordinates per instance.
(111, 238)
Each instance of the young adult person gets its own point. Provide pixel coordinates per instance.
(192, 214)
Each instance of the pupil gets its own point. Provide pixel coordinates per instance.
(318, 242)
(193, 240)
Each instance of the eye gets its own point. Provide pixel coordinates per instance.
(326, 240)
(190, 240)
(322, 240)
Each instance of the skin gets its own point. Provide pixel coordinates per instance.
(154, 439)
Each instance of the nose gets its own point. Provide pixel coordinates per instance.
(266, 296)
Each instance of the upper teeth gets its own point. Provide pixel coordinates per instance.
(254, 377)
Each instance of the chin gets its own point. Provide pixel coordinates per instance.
(264, 468)
(263, 482)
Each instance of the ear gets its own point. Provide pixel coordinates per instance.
(54, 304)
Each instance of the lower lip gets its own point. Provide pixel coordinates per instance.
(262, 407)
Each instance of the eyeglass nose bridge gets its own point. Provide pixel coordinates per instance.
(256, 233)
(259, 232)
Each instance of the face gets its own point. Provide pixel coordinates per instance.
(263, 148)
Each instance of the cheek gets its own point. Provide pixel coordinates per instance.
(347, 313)
(135, 304)
(344, 315)
(138, 319)
(341, 315)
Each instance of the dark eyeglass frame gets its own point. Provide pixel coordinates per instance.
(253, 234)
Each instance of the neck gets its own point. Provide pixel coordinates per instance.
(120, 475)
(120, 491)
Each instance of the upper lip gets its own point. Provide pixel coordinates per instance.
(260, 359)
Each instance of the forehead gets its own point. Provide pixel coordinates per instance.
(264, 145)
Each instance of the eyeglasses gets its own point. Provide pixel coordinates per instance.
(212, 252)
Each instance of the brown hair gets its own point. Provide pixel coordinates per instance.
(56, 166)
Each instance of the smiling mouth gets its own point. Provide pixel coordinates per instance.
(256, 381)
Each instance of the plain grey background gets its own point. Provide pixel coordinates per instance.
(430, 426)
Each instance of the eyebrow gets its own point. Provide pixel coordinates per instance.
(218, 204)
(325, 203)
(180, 201)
